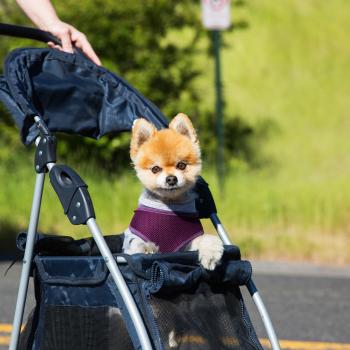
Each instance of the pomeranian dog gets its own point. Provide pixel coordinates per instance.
(168, 162)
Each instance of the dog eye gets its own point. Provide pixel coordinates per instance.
(156, 169)
(181, 165)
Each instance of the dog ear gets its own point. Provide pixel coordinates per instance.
(142, 130)
(181, 123)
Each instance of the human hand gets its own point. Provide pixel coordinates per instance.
(70, 37)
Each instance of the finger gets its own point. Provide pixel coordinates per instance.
(83, 44)
(66, 41)
(54, 46)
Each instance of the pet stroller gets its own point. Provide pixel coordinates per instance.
(88, 294)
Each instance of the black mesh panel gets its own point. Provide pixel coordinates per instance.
(85, 328)
(206, 320)
(27, 333)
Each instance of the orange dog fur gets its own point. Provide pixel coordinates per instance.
(166, 149)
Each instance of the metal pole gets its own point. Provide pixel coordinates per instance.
(218, 109)
(118, 279)
(27, 261)
(264, 315)
(220, 229)
(251, 288)
(121, 285)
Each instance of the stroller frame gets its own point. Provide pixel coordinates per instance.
(49, 154)
(45, 161)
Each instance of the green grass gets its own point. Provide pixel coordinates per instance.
(114, 201)
(266, 219)
(290, 66)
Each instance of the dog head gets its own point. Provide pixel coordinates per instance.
(167, 161)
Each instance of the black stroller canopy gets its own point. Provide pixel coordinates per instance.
(71, 94)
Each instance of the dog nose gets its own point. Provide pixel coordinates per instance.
(171, 180)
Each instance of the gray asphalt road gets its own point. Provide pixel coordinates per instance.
(306, 302)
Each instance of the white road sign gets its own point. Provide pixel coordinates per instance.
(216, 14)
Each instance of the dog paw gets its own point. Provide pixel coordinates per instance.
(150, 248)
(210, 250)
(139, 246)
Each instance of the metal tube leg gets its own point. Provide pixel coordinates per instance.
(27, 260)
(121, 285)
(220, 229)
(264, 315)
(252, 290)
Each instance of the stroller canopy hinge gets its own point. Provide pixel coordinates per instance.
(45, 153)
(44, 130)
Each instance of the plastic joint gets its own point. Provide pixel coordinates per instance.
(45, 153)
(73, 194)
(251, 287)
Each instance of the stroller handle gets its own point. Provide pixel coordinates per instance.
(27, 33)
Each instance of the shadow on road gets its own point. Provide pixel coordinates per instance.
(8, 233)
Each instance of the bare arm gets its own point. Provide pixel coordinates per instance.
(43, 15)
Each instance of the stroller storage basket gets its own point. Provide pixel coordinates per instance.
(183, 305)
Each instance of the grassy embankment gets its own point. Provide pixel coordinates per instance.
(290, 66)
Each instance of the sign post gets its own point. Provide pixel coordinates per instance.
(216, 16)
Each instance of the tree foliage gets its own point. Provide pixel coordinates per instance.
(152, 44)
(138, 40)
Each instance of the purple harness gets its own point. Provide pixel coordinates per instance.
(169, 230)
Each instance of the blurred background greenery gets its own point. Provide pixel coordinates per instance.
(286, 85)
